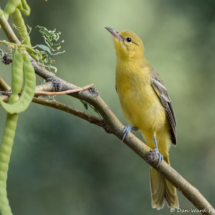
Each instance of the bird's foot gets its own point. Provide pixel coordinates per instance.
(127, 130)
(159, 155)
(157, 151)
(134, 128)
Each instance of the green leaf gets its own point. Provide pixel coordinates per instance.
(45, 48)
(85, 104)
(29, 48)
(50, 49)
(58, 43)
(53, 67)
(57, 53)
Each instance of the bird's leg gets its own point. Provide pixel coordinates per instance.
(127, 129)
(157, 151)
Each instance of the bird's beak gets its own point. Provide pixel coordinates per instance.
(114, 33)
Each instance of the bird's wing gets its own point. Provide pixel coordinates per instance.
(162, 94)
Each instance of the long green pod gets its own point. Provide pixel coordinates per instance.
(28, 90)
(25, 8)
(17, 80)
(9, 132)
(13, 4)
(19, 22)
(11, 7)
(5, 152)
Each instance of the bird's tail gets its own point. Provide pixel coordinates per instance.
(162, 190)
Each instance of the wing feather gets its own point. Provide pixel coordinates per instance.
(162, 94)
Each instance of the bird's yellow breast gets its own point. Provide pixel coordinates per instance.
(139, 102)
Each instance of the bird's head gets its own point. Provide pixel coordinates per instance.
(127, 44)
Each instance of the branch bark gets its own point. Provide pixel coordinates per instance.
(115, 126)
(59, 106)
(37, 92)
(3, 85)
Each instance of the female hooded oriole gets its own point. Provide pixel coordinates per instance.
(146, 106)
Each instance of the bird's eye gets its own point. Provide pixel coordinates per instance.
(128, 39)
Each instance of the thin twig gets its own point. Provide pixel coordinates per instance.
(44, 92)
(8, 30)
(4, 98)
(57, 105)
(3, 85)
(63, 92)
(92, 97)
(48, 87)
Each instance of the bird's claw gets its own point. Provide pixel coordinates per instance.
(127, 130)
(160, 156)
(134, 128)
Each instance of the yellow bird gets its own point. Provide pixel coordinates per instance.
(147, 107)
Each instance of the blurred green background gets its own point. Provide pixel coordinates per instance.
(63, 165)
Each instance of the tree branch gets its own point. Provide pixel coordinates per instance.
(91, 96)
(3, 85)
(63, 92)
(42, 92)
(48, 87)
(8, 30)
(57, 105)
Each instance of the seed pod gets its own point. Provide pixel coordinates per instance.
(25, 8)
(17, 73)
(28, 90)
(17, 79)
(5, 152)
(9, 132)
(19, 22)
(12, 5)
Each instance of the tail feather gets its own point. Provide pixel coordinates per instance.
(157, 189)
(162, 190)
